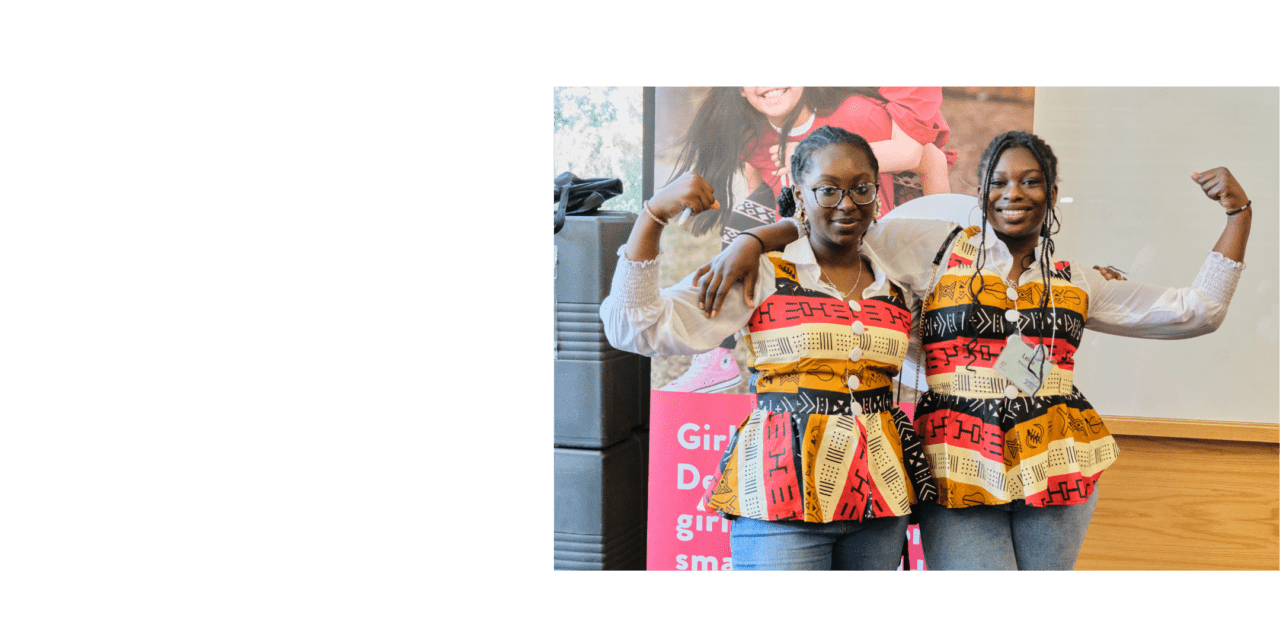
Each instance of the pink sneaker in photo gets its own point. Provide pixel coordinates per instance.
(714, 371)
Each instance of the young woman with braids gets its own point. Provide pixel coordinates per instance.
(740, 131)
(823, 473)
(1015, 449)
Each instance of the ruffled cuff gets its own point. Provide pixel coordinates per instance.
(1218, 277)
(636, 283)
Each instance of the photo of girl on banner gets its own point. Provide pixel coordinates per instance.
(904, 125)
(732, 137)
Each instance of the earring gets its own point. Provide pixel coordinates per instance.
(876, 217)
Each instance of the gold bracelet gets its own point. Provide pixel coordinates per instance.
(652, 215)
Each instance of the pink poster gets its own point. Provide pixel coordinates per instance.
(689, 432)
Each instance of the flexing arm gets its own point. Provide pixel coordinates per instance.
(689, 190)
(1142, 310)
(640, 318)
(1218, 184)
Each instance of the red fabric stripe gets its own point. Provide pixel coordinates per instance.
(955, 429)
(1062, 353)
(882, 314)
(946, 356)
(956, 260)
(1071, 488)
(857, 485)
(784, 311)
(782, 491)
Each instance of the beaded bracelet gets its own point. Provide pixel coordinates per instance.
(1236, 211)
(655, 217)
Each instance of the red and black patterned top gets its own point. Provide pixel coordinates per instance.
(826, 441)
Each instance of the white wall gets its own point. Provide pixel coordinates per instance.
(1125, 157)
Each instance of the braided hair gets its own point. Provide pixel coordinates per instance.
(1052, 224)
(820, 138)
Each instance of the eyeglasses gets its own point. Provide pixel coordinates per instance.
(829, 196)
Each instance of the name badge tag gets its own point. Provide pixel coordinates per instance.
(1020, 363)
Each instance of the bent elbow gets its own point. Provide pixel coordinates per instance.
(612, 325)
(1214, 314)
(1208, 323)
(1215, 321)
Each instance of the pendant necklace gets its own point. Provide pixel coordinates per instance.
(843, 296)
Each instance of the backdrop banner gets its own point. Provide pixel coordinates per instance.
(927, 141)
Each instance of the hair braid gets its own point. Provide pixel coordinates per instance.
(1049, 165)
(822, 137)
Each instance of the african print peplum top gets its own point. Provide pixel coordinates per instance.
(826, 442)
(987, 442)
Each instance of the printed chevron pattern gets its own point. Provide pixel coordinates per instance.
(914, 460)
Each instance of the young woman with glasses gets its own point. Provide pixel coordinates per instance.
(823, 473)
(1015, 449)
(751, 132)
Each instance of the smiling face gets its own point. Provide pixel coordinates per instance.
(774, 102)
(1019, 196)
(841, 227)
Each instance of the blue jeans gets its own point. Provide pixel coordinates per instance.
(1004, 537)
(842, 545)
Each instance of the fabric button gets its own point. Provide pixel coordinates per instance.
(854, 382)
(855, 306)
(855, 354)
(1010, 391)
(858, 328)
(1011, 292)
(857, 408)
(1011, 315)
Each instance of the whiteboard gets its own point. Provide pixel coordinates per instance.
(1125, 155)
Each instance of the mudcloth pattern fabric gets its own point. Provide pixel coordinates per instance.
(987, 443)
(826, 442)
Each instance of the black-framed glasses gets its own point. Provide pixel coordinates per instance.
(828, 196)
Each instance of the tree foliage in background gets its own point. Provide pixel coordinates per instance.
(599, 134)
